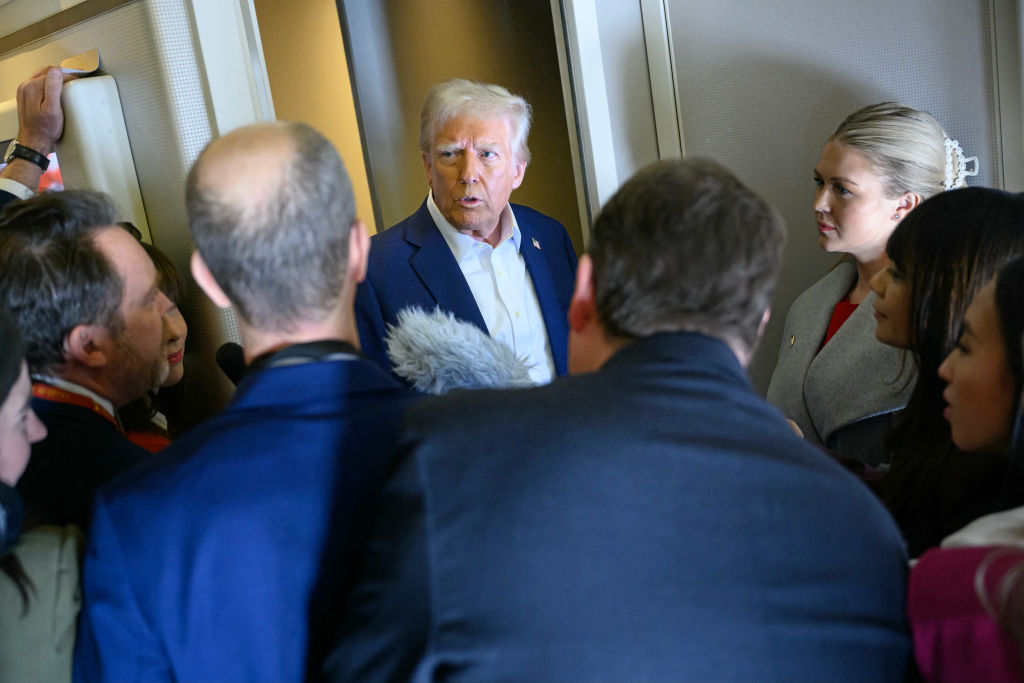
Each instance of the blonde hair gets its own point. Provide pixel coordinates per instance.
(906, 148)
(459, 96)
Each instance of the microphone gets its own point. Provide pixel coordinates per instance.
(231, 361)
(436, 353)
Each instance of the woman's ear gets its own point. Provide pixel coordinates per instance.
(907, 203)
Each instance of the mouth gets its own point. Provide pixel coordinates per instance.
(826, 228)
(175, 358)
(948, 410)
(878, 314)
(469, 202)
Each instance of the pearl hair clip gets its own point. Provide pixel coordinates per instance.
(956, 165)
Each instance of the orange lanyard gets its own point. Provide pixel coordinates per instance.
(48, 392)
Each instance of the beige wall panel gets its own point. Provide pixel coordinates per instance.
(309, 81)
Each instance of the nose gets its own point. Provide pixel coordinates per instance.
(821, 199)
(174, 326)
(878, 282)
(35, 428)
(946, 369)
(469, 169)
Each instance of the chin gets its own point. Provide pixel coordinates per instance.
(175, 375)
(889, 340)
(882, 336)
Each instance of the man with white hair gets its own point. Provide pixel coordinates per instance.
(506, 268)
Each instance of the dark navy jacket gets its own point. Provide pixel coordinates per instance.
(655, 520)
(81, 452)
(412, 265)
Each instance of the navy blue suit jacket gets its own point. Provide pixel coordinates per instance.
(411, 265)
(652, 521)
(226, 556)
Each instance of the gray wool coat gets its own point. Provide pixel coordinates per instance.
(845, 395)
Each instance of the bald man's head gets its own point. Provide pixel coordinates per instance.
(270, 207)
(245, 167)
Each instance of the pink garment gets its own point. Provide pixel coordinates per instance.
(955, 637)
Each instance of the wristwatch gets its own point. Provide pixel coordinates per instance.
(19, 151)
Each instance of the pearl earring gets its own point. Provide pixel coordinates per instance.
(895, 216)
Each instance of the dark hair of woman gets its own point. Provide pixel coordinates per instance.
(12, 354)
(1010, 305)
(1008, 595)
(946, 250)
(169, 278)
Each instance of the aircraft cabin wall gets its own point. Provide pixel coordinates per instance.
(761, 91)
(760, 86)
(309, 80)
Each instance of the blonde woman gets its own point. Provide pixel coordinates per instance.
(833, 378)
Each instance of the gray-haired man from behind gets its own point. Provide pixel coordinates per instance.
(226, 558)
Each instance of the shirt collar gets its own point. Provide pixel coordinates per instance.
(461, 244)
(74, 389)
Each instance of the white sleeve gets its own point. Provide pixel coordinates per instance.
(15, 188)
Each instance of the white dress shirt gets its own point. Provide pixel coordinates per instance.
(503, 290)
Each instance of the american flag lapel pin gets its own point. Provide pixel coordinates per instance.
(536, 244)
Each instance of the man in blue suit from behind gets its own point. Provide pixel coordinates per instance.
(225, 557)
(648, 518)
(505, 268)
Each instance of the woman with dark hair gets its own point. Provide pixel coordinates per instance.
(966, 600)
(939, 257)
(39, 594)
(144, 420)
(833, 379)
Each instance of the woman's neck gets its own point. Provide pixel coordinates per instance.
(865, 271)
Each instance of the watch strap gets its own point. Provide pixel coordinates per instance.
(19, 151)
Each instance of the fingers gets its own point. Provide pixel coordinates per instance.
(53, 85)
(40, 118)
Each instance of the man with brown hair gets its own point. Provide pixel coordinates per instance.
(650, 517)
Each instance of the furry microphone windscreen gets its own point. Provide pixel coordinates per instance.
(437, 353)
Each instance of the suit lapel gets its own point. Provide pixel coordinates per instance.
(554, 317)
(436, 268)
